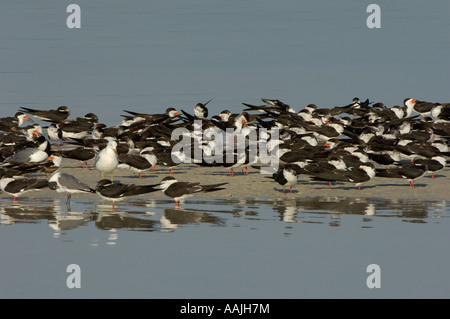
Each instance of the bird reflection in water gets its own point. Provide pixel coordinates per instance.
(124, 220)
(174, 217)
(316, 209)
(22, 212)
(155, 215)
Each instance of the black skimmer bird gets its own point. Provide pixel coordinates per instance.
(362, 175)
(88, 120)
(107, 159)
(421, 107)
(12, 142)
(54, 133)
(78, 128)
(54, 116)
(408, 106)
(418, 148)
(51, 166)
(74, 130)
(143, 161)
(442, 113)
(409, 171)
(353, 175)
(66, 183)
(101, 131)
(170, 113)
(82, 154)
(11, 171)
(272, 106)
(133, 122)
(229, 158)
(98, 132)
(41, 142)
(278, 104)
(200, 112)
(222, 124)
(48, 167)
(93, 143)
(108, 190)
(15, 138)
(324, 131)
(171, 187)
(286, 176)
(28, 137)
(19, 186)
(418, 132)
(441, 128)
(169, 158)
(8, 124)
(356, 103)
(432, 165)
(386, 158)
(442, 146)
(224, 115)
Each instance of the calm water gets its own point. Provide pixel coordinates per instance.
(293, 248)
(150, 55)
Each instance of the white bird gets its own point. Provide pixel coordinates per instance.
(107, 159)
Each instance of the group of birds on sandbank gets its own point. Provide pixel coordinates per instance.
(352, 143)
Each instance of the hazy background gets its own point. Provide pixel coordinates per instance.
(150, 55)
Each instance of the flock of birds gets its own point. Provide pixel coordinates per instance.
(351, 143)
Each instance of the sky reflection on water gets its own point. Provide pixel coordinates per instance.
(293, 248)
(161, 215)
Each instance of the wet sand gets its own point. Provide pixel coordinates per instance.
(254, 185)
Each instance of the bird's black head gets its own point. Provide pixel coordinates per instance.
(63, 109)
(52, 185)
(102, 183)
(168, 178)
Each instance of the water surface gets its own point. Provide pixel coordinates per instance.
(293, 248)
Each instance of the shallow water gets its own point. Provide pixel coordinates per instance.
(292, 248)
(146, 56)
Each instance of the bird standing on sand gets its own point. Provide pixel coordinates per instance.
(181, 190)
(66, 183)
(19, 186)
(107, 159)
(143, 161)
(108, 190)
(286, 176)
